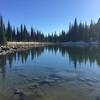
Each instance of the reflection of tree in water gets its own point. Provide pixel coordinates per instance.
(21, 56)
(10, 58)
(36, 52)
(80, 55)
(52, 48)
(77, 55)
(2, 66)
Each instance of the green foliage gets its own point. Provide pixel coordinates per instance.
(76, 32)
(84, 32)
(2, 31)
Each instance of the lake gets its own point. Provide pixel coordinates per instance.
(51, 73)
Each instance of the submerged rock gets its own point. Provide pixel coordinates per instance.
(97, 98)
(48, 82)
(67, 76)
(88, 81)
(33, 86)
(54, 77)
(22, 75)
(19, 94)
(35, 94)
(36, 78)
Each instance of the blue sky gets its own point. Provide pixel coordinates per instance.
(49, 15)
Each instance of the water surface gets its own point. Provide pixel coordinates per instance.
(51, 73)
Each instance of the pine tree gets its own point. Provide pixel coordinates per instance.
(18, 35)
(2, 31)
(33, 34)
(21, 33)
(14, 35)
(9, 32)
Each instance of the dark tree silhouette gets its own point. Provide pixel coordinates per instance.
(2, 31)
(76, 32)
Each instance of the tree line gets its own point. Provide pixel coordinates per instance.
(76, 32)
(84, 32)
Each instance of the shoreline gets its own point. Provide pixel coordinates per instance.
(12, 47)
(80, 43)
